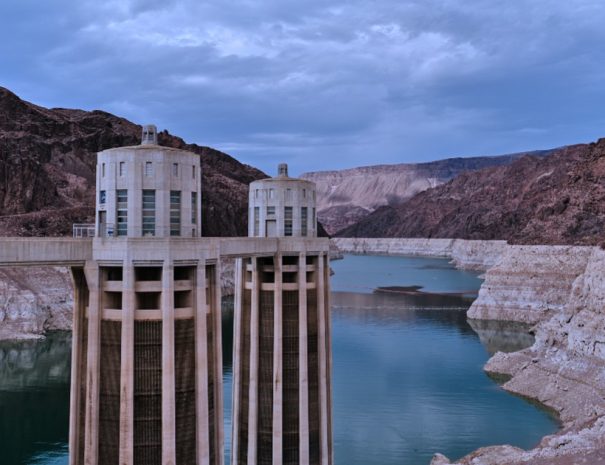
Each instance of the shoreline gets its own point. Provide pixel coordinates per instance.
(560, 292)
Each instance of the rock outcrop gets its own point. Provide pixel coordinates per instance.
(344, 197)
(470, 255)
(34, 300)
(529, 283)
(558, 199)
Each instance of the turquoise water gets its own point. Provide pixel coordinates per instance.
(408, 381)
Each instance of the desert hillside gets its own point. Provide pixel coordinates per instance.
(344, 197)
(553, 199)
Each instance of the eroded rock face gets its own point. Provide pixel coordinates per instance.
(470, 255)
(344, 197)
(34, 300)
(554, 199)
(529, 283)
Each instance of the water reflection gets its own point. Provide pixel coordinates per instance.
(502, 336)
(34, 400)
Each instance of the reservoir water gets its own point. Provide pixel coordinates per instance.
(408, 378)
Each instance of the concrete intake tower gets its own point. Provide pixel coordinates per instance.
(147, 363)
(282, 365)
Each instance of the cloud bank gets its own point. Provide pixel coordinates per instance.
(319, 84)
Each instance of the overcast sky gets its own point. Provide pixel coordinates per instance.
(321, 84)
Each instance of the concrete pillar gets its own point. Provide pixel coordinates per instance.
(328, 314)
(168, 385)
(278, 362)
(323, 366)
(77, 357)
(303, 371)
(203, 439)
(127, 366)
(240, 283)
(91, 438)
(254, 340)
(218, 365)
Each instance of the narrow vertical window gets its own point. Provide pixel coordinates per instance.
(102, 197)
(256, 221)
(103, 169)
(148, 213)
(193, 207)
(256, 193)
(313, 219)
(288, 194)
(193, 172)
(148, 169)
(122, 212)
(122, 168)
(271, 193)
(175, 213)
(287, 221)
(175, 169)
(303, 221)
(304, 193)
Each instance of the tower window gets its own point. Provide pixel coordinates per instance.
(148, 213)
(102, 197)
(303, 221)
(193, 172)
(175, 213)
(148, 169)
(194, 207)
(122, 212)
(175, 169)
(287, 221)
(103, 169)
(122, 168)
(256, 221)
(271, 193)
(304, 193)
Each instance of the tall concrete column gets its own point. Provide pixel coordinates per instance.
(323, 366)
(328, 314)
(201, 336)
(168, 383)
(218, 364)
(127, 366)
(91, 438)
(278, 362)
(303, 386)
(77, 366)
(254, 341)
(239, 286)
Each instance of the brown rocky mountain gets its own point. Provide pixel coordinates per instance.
(345, 197)
(556, 199)
(47, 170)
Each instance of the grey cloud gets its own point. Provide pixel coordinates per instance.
(321, 85)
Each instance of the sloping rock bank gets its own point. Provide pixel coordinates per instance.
(34, 300)
(559, 289)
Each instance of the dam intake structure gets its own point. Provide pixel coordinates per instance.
(146, 382)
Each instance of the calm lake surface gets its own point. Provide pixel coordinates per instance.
(408, 378)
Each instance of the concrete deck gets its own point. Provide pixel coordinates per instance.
(35, 251)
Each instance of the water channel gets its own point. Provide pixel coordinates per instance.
(408, 378)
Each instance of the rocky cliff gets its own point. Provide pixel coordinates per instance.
(47, 170)
(554, 199)
(344, 197)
